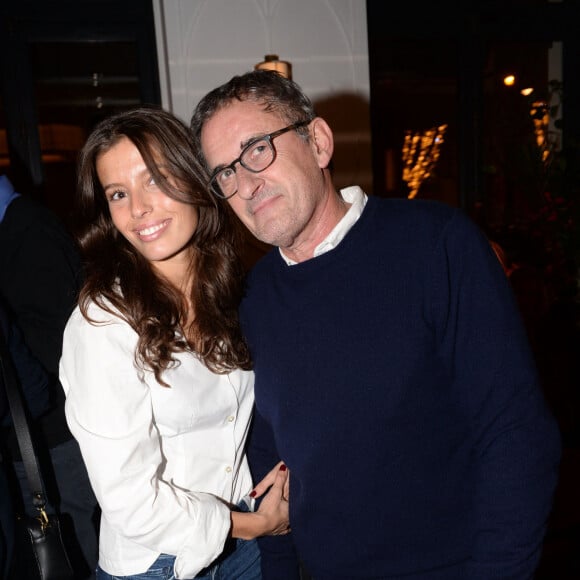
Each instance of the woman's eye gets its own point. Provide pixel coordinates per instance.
(152, 182)
(115, 195)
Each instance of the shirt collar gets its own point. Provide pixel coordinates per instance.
(357, 199)
(7, 195)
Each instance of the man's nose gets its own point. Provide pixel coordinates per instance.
(248, 182)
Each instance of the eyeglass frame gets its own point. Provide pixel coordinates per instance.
(269, 138)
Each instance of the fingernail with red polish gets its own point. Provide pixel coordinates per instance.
(282, 467)
(253, 493)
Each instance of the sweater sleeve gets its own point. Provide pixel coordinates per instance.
(110, 412)
(516, 439)
(278, 555)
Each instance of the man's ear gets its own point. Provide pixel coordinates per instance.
(322, 141)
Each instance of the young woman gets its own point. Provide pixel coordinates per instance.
(155, 369)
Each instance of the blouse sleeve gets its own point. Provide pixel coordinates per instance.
(109, 411)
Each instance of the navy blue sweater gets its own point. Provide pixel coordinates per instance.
(394, 378)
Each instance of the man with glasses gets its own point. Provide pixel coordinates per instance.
(393, 375)
(256, 156)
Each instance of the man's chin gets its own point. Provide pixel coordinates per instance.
(272, 231)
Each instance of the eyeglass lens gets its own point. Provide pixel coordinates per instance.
(256, 157)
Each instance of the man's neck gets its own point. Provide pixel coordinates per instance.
(330, 215)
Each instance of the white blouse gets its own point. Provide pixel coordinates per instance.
(162, 461)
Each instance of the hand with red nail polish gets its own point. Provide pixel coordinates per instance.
(272, 517)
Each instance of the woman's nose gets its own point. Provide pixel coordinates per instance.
(140, 205)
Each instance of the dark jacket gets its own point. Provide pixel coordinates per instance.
(40, 279)
(33, 378)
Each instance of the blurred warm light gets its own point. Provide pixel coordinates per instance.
(509, 80)
(58, 143)
(272, 62)
(540, 114)
(420, 154)
(527, 92)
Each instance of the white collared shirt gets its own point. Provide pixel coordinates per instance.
(357, 199)
(162, 461)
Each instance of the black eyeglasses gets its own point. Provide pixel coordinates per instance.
(256, 156)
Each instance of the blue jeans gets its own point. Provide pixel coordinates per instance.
(240, 562)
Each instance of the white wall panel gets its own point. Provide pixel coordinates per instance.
(203, 43)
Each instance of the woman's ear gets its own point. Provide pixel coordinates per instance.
(322, 141)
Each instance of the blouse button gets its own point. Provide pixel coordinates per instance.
(230, 418)
(228, 469)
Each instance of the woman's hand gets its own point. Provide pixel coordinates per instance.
(274, 506)
(272, 518)
(269, 480)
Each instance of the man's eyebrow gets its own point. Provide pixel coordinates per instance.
(219, 167)
(243, 145)
(251, 140)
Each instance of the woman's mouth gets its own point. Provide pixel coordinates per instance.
(152, 230)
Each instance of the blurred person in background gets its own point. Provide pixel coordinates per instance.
(40, 276)
(33, 384)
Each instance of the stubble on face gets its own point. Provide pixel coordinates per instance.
(285, 224)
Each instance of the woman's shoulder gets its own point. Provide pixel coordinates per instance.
(95, 314)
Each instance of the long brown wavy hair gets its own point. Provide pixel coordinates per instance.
(120, 280)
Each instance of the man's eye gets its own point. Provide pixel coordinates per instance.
(257, 151)
(225, 175)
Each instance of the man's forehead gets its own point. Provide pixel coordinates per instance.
(233, 125)
(244, 114)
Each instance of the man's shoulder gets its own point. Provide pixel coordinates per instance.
(29, 225)
(401, 218)
(419, 209)
(21, 205)
(26, 212)
(424, 225)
